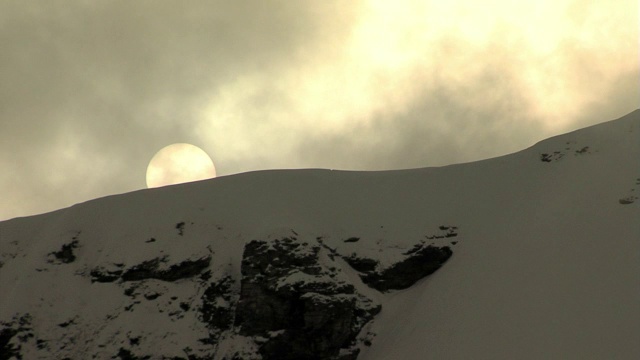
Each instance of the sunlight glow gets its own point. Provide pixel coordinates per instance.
(544, 54)
(179, 163)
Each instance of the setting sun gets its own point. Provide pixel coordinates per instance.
(179, 163)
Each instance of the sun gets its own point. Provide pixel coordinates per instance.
(179, 163)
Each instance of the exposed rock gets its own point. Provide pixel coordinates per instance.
(151, 269)
(445, 232)
(420, 262)
(13, 335)
(361, 264)
(66, 323)
(125, 354)
(180, 228)
(7, 349)
(152, 296)
(103, 275)
(583, 150)
(555, 156)
(627, 200)
(65, 255)
(217, 309)
(145, 270)
(296, 303)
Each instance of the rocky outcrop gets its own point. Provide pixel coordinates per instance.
(7, 349)
(152, 269)
(65, 255)
(217, 309)
(578, 150)
(14, 334)
(181, 270)
(418, 263)
(298, 304)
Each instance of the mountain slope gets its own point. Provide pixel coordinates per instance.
(550, 264)
(545, 264)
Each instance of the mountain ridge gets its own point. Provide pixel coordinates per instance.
(526, 277)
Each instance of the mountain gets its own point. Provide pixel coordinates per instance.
(533, 255)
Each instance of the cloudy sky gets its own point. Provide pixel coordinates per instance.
(91, 90)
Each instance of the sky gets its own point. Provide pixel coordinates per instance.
(91, 90)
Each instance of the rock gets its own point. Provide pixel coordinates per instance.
(7, 349)
(557, 155)
(298, 304)
(361, 264)
(145, 270)
(13, 335)
(217, 307)
(627, 200)
(103, 275)
(125, 354)
(65, 255)
(180, 228)
(418, 263)
(151, 269)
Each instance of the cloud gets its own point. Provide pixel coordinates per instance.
(89, 93)
(513, 70)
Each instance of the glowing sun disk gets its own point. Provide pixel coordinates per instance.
(179, 163)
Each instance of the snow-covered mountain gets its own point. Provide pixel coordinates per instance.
(536, 256)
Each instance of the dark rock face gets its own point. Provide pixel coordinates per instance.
(100, 274)
(628, 200)
(13, 335)
(420, 262)
(294, 301)
(65, 255)
(8, 350)
(125, 354)
(151, 270)
(217, 309)
(180, 228)
(361, 264)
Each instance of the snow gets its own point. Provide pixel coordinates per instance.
(546, 264)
